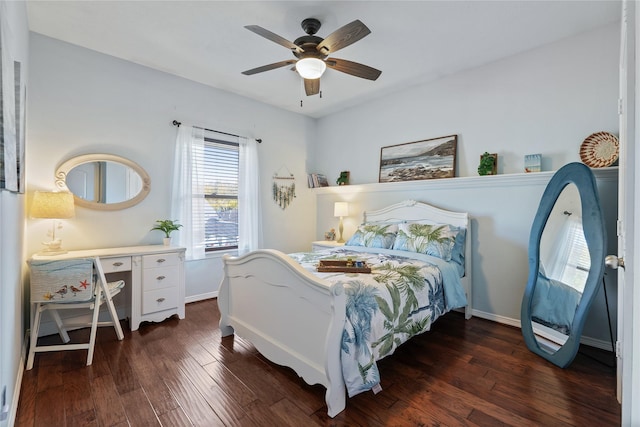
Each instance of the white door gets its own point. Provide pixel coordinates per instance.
(628, 349)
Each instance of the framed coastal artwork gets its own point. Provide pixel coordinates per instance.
(12, 112)
(413, 161)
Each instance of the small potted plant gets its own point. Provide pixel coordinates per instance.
(166, 226)
(488, 164)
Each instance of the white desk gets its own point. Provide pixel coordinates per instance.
(153, 275)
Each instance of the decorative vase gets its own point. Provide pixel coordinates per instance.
(167, 241)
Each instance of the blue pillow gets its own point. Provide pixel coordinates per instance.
(374, 236)
(458, 251)
(432, 239)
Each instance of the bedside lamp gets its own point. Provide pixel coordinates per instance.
(55, 206)
(341, 209)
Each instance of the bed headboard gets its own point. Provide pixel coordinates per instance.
(410, 210)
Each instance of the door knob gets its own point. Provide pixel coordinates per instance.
(614, 262)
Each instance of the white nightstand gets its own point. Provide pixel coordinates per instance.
(324, 244)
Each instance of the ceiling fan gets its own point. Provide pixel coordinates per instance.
(312, 53)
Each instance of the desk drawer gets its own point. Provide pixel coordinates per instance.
(159, 300)
(113, 265)
(160, 260)
(158, 278)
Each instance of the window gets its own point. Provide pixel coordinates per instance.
(215, 193)
(220, 177)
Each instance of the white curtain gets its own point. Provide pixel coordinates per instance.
(249, 211)
(187, 196)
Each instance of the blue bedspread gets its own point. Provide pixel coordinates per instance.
(401, 297)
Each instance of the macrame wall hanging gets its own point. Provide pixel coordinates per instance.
(284, 188)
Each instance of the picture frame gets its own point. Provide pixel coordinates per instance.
(426, 159)
(532, 163)
(488, 164)
(12, 113)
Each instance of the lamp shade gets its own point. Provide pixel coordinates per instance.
(341, 209)
(310, 68)
(52, 205)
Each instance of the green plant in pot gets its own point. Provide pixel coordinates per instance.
(167, 226)
(487, 164)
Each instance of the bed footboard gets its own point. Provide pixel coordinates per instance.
(282, 309)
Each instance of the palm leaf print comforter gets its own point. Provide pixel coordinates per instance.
(401, 297)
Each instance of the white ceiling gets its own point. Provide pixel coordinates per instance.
(412, 42)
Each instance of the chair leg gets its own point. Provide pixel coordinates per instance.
(34, 337)
(94, 328)
(104, 285)
(114, 317)
(62, 331)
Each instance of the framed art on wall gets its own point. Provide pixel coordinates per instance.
(11, 113)
(412, 161)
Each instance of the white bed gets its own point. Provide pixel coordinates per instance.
(295, 318)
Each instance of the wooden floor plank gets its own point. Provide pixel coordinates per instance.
(225, 406)
(109, 409)
(50, 407)
(183, 373)
(175, 418)
(77, 393)
(194, 405)
(138, 409)
(157, 391)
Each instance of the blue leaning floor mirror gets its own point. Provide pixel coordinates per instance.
(566, 264)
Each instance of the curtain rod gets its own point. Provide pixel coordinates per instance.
(177, 123)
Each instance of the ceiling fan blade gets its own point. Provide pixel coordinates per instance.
(353, 68)
(312, 86)
(343, 37)
(273, 37)
(269, 67)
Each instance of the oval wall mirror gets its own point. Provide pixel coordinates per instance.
(566, 264)
(103, 181)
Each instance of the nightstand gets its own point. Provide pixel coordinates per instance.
(324, 244)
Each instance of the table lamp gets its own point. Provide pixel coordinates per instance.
(55, 206)
(341, 209)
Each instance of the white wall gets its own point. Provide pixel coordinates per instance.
(547, 101)
(11, 238)
(81, 102)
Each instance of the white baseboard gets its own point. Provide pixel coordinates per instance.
(497, 318)
(591, 342)
(13, 411)
(201, 297)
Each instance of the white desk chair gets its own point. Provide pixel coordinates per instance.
(71, 284)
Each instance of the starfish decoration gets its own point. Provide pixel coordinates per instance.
(84, 284)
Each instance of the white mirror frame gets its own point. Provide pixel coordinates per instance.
(64, 168)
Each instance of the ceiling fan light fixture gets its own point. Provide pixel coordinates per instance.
(310, 68)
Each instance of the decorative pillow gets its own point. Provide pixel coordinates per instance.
(458, 251)
(432, 239)
(374, 236)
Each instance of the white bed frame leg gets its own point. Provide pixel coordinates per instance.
(336, 399)
(223, 305)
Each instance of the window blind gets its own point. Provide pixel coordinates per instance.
(220, 160)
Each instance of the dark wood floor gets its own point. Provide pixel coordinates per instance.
(180, 372)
